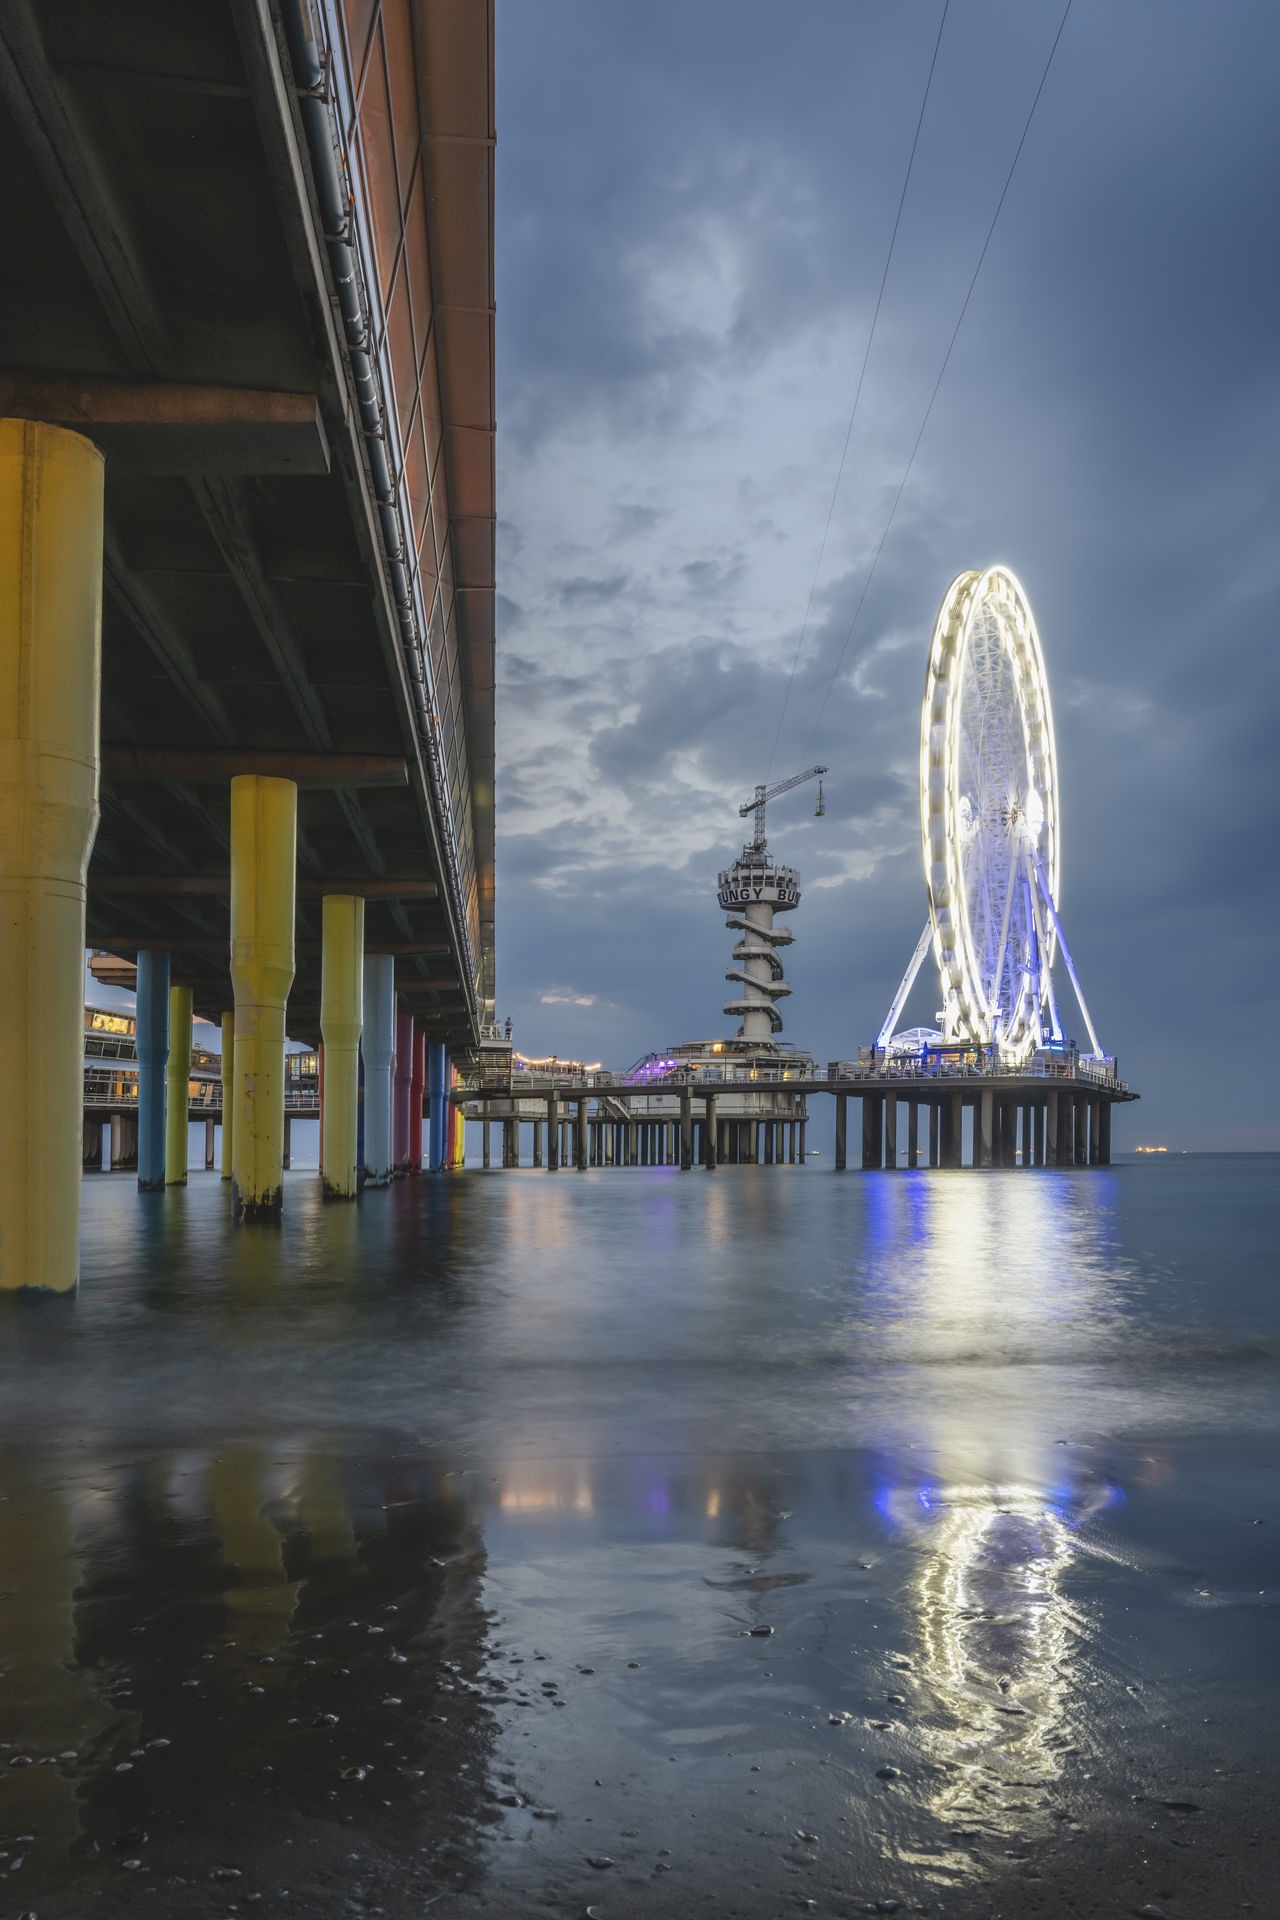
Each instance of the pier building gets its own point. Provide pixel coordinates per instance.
(246, 554)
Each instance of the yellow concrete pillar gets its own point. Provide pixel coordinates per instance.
(264, 835)
(50, 678)
(228, 1077)
(177, 1075)
(341, 1007)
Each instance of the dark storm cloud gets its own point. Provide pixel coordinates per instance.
(693, 208)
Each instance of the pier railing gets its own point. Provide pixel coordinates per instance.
(542, 1082)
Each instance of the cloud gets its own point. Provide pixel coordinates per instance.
(692, 217)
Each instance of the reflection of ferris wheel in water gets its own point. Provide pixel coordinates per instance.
(989, 820)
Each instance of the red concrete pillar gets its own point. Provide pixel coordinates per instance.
(400, 1093)
(417, 1087)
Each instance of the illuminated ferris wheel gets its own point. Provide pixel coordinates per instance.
(990, 826)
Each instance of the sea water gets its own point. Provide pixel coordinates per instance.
(753, 1542)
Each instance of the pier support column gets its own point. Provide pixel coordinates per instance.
(553, 1135)
(935, 1149)
(872, 1131)
(177, 1077)
(1081, 1105)
(436, 1073)
(228, 1080)
(341, 1020)
(401, 1083)
(686, 1131)
(484, 1135)
(286, 1160)
(709, 1131)
(208, 1145)
(537, 1143)
(803, 1121)
(1104, 1133)
(1051, 1129)
(952, 1128)
(417, 1094)
(842, 1130)
(982, 1130)
(510, 1143)
(264, 855)
(378, 1046)
(581, 1130)
(152, 1036)
(1038, 1133)
(633, 1143)
(1095, 1144)
(50, 676)
(891, 1132)
(913, 1134)
(117, 1140)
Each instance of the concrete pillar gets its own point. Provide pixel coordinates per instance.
(913, 1134)
(401, 1084)
(485, 1137)
(341, 1020)
(686, 1131)
(537, 1143)
(153, 1053)
(553, 1134)
(208, 1145)
(50, 677)
(1081, 1106)
(842, 1129)
(891, 1131)
(582, 1135)
(510, 1143)
(286, 1157)
(177, 1080)
(1009, 1133)
(1095, 1143)
(117, 1137)
(803, 1124)
(633, 1143)
(1104, 1133)
(228, 1079)
(377, 1047)
(417, 1095)
(435, 1067)
(1051, 1129)
(952, 1128)
(983, 1136)
(710, 1125)
(1065, 1130)
(1038, 1133)
(264, 854)
(768, 1126)
(935, 1132)
(872, 1131)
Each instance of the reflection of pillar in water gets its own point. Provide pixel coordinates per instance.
(261, 1597)
(51, 1704)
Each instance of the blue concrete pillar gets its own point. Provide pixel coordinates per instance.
(438, 1112)
(153, 1057)
(378, 1049)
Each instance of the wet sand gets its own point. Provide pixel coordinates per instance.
(769, 1545)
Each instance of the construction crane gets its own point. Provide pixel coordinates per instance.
(764, 794)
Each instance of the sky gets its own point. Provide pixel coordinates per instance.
(694, 210)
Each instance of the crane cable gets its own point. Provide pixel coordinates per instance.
(862, 374)
(938, 382)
